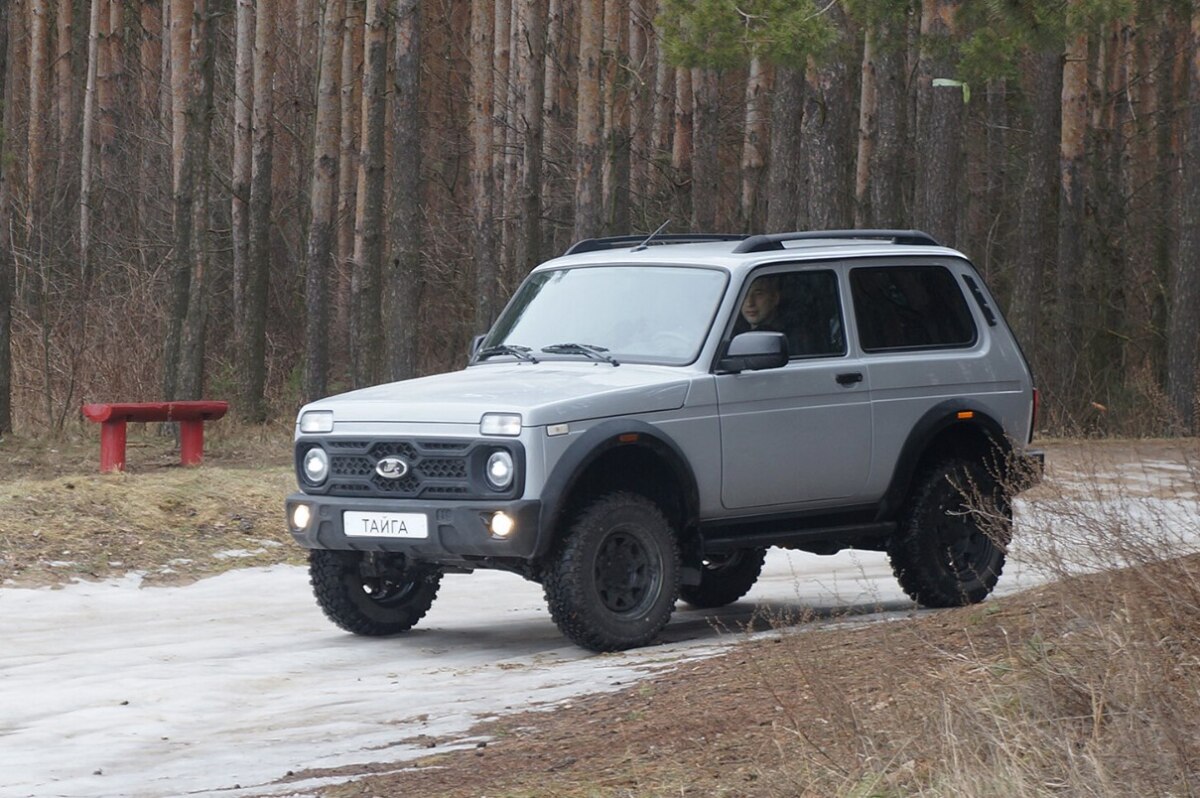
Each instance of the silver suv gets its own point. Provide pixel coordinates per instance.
(647, 417)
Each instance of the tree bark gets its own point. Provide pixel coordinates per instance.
(754, 145)
(1037, 203)
(940, 116)
(706, 156)
(886, 166)
(1071, 210)
(482, 164)
(65, 89)
(681, 145)
(405, 280)
(1183, 334)
(199, 136)
(252, 345)
(351, 99)
(588, 152)
(88, 144)
(39, 43)
(243, 137)
(183, 185)
(532, 57)
(867, 131)
(786, 175)
(7, 264)
(828, 139)
(319, 251)
(615, 175)
(366, 333)
(641, 22)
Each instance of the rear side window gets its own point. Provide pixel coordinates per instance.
(910, 307)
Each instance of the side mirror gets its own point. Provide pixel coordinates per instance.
(754, 351)
(476, 342)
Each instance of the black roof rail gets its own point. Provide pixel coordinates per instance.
(774, 241)
(616, 242)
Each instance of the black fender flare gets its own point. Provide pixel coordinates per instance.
(596, 442)
(936, 420)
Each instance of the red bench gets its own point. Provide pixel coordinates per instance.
(191, 416)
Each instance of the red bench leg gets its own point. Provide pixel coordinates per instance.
(191, 442)
(112, 446)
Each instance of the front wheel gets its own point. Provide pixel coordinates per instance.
(724, 578)
(950, 545)
(371, 593)
(612, 580)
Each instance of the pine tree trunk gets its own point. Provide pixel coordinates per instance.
(351, 99)
(183, 185)
(588, 152)
(940, 121)
(641, 18)
(532, 74)
(35, 173)
(681, 146)
(65, 89)
(706, 160)
(243, 137)
(615, 176)
(366, 334)
(1183, 334)
(786, 173)
(482, 165)
(7, 263)
(828, 143)
(754, 145)
(1037, 203)
(199, 136)
(405, 283)
(88, 144)
(885, 191)
(319, 251)
(1071, 210)
(252, 346)
(868, 103)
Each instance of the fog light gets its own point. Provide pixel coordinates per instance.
(503, 525)
(301, 515)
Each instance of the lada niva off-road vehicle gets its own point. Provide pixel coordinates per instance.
(645, 418)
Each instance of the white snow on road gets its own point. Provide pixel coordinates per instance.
(222, 687)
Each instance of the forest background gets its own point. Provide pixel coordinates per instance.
(271, 201)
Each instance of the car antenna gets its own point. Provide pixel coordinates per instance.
(650, 237)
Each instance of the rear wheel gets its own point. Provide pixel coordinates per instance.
(372, 593)
(724, 578)
(953, 534)
(612, 580)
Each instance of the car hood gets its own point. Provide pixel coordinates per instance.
(543, 393)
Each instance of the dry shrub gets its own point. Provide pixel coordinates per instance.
(1087, 686)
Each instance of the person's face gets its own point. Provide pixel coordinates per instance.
(760, 302)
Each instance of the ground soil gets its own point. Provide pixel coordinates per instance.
(819, 707)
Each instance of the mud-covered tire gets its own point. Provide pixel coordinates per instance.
(724, 578)
(612, 579)
(360, 593)
(953, 534)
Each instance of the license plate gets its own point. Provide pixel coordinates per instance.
(385, 525)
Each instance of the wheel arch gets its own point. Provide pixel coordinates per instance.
(956, 427)
(619, 455)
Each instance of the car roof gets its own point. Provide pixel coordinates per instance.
(722, 254)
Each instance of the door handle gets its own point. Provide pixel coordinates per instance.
(850, 378)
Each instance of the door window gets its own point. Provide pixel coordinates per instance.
(910, 307)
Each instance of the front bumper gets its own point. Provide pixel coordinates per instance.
(456, 532)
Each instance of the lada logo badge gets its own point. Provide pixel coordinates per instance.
(391, 468)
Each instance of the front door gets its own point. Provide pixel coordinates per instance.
(801, 433)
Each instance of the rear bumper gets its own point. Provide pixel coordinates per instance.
(454, 532)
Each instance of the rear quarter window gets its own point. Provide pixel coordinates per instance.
(910, 307)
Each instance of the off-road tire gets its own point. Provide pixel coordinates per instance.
(724, 579)
(366, 604)
(953, 534)
(612, 579)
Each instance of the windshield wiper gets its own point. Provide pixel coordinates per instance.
(519, 352)
(594, 352)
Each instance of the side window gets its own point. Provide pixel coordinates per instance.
(910, 307)
(803, 305)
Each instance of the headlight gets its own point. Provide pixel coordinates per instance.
(316, 465)
(500, 424)
(316, 421)
(500, 470)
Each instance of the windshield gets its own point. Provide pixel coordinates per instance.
(644, 314)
